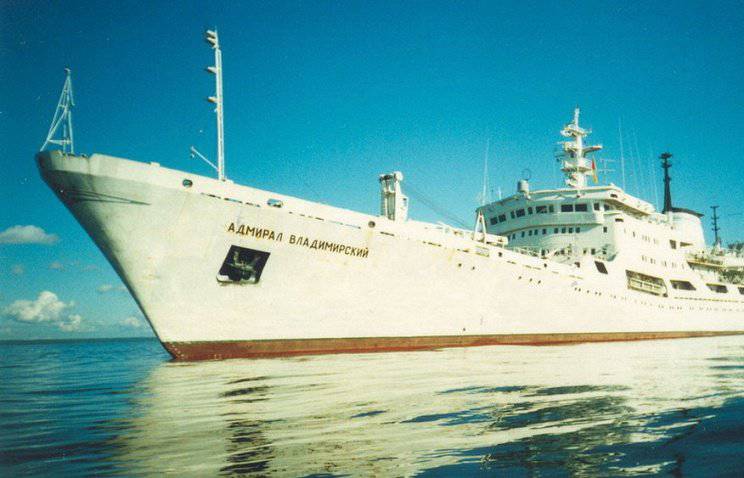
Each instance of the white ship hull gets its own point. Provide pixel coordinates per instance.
(332, 283)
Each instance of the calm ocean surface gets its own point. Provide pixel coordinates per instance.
(121, 407)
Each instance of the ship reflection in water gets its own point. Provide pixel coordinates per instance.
(596, 409)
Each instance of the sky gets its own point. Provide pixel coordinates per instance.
(321, 97)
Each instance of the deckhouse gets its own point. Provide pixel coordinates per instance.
(603, 226)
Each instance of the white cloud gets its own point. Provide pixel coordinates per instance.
(17, 269)
(27, 235)
(132, 321)
(74, 321)
(104, 288)
(46, 308)
(56, 265)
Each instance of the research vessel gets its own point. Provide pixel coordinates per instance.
(223, 270)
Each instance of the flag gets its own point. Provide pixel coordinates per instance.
(594, 172)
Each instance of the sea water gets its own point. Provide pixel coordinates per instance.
(122, 407)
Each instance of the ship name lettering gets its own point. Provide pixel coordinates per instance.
(321, 245)
(317, 244)
(257, 232)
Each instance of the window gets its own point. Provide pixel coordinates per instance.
(672, 243)
(563, 230)
(541, 209)
(545, 231)
(570, 230)
(582, 207)
(607, 207)
(502, 217)
(741, 290)
(511, 213)
(601, 267)
(578, 230)
(682, 285)
(645, 283)
(494, 220)
(522, 233)
(555, 230)
(604, 229)
(520, 212)
(551, 208)
(529, 233)
(529, 210)
(596, 206)
(594, 251)
(566, 207)
(718, 288)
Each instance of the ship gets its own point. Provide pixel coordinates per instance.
(222, 270)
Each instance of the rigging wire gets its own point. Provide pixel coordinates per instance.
(433, 206)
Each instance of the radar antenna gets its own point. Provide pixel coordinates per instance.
(63, 117)
(575, 165)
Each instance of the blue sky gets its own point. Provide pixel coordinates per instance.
(320, 97)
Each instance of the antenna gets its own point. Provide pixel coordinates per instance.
(716, 229)
(211, 37)
(485, 199)
(622, 152)
(63, 117)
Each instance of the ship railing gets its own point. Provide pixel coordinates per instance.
(534, 252)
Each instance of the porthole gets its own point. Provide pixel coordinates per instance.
(371, 224)
(187, 183)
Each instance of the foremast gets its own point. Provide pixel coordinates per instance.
(574, 161)
(62, 119)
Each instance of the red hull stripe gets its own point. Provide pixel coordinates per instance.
(289, 347)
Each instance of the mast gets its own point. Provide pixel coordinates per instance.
(666, 164)
(716, 229)
(575, 165)
(211, 37)
(63, 117)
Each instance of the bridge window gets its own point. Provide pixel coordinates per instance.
(741, 290)
(529, 210)
(555, 230)
(567, 208)
(581, 207)
(551, 208)
(494, 220)
(718, 288)
(601, 267)
(596, 206)
(682, 285)
(511, 213)
(672, 243)
(520, 212)
(502, 217)
(541, 209)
